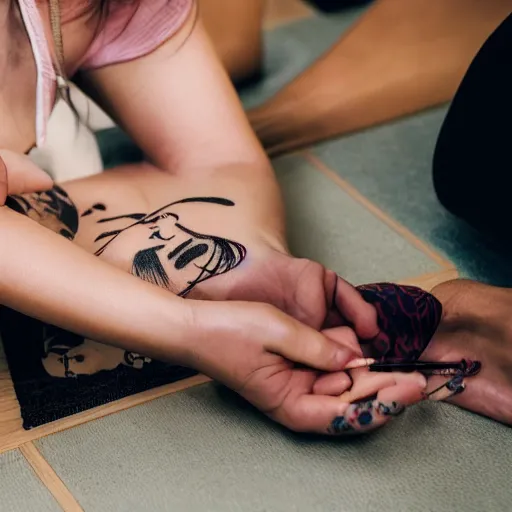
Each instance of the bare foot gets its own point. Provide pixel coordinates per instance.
(476, 325)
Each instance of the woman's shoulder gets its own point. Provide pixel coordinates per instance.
(134, 29)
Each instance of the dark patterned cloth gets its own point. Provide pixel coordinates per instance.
(34, 351)
(408, 318)
(57, 373)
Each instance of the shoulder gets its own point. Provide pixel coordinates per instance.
(134, 30)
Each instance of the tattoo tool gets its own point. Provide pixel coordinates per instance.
(433, 368)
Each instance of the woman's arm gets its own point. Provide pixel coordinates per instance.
(245, 346)
(47, 277)
(179, 106)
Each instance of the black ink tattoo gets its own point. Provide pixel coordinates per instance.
(361, 416)
(67, 355)
(133, 216)
(167, 254)
(168, 260)
(95, 207)
(148, 267)
(53, 209)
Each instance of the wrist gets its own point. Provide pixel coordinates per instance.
(217, 332)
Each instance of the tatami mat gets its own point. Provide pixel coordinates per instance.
(285, 11)
(201, 451)
(391, 166)
(290, 48)
(329, 226)
(20, 489)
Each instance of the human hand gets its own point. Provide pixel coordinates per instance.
(302, 288)
(19, 175)
(283, 368)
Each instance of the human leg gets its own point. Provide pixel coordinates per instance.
(473, 159)
(400, 57)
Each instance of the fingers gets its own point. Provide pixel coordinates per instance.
(20, 175)
(369, 384)
(346, 337)
(369, 415)
(303, 345)
(361, 315)
(310, 413)
(332, 384)
(323, 413)
(442, 388)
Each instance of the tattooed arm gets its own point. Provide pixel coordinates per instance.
(46, 276)
(207, 238)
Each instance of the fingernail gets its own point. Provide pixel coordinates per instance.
(460, 389)
(340, 425)
(455, 385)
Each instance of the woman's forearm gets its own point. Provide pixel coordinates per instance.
(47, 277)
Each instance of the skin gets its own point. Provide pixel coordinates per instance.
(285, 393)
(216, 142)
(400, 57)
(254, 355)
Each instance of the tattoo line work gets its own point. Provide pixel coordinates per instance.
(164, 252)
(200, 256)
(362, 416)
(53, 209)
(95, 207)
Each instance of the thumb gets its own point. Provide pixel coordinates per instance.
(19, 175)
(303, 345)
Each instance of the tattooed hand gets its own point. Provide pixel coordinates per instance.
(258, 356)
(18, 175)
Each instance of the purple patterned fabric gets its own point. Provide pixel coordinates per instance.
(408, 318)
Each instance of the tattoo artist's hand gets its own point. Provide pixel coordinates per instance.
(19, 175)
(283, 367)
(302, 288)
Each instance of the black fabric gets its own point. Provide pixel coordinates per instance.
(44, 398)
(473, 156)
(336, 5)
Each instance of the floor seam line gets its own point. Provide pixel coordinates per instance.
(396, 226)
(49, 478)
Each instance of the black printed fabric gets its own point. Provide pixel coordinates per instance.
(35, 353)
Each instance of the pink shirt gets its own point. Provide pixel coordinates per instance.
(126, 34)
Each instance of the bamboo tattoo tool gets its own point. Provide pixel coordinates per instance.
(463, 367)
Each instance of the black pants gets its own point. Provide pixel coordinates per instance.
(473, 156)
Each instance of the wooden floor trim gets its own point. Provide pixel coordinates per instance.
(14, 437)
(50, 479)
(429, 281)
(375, 210)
